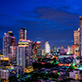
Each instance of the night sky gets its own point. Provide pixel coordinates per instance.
(51, 20)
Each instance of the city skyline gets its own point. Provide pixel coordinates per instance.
(56, 26)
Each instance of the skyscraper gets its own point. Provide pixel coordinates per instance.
(77, 36)
(6, 44)
(80, 21)
(36, 46)
(47, 47)
(22, 33)
(24, 53)
(8, 40)
(13, 39)
(12, 54)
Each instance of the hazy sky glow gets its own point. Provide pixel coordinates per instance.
(52, 20)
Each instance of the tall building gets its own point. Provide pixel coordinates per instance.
(6, 44)
(80, 21)
(8, 40)
(24, 53)
(77, 36)
(12, 54)
(47, 47)
(36, 46)
(22, 33)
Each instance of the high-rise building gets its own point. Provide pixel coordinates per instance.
(12, 55)
(23, 33)
(13, 40)
(6, 44)
(47, 47)
(36, 46)
(80, 21)
(24, 53)
(77, 36)
(8, 40)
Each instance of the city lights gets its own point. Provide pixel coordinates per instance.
(41, 41)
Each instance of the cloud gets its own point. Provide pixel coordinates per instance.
(52, 20)
(61, 18)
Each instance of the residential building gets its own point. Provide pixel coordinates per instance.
(24, 53)
(77, 36)
(47, 47)
(23, 33)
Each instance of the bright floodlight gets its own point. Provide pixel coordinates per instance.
(80, 68)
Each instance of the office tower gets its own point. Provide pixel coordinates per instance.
(24, 53)
(36, 46)
(77, 36)
(6, 44)
(22, 33)
(13, 39)
(12, 54)
(80, 21)
(47, 47)
(8, 40)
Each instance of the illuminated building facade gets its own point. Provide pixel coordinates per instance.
(77, 36)
(80, 21)
(12, 55)
(24, 53)
(47, 47)
(9, 71)
(43, 52)
(13, 39)
(4, 61)
(39, 52)
(69, 50)
(36, 46)
(54, 50)
(75, 49)
(23, 33)
(8, 40)
(6, 44)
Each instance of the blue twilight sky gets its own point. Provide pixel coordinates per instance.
(52, 20)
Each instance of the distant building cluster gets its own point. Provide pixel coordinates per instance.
(18, 57)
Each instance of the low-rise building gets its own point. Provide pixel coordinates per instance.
(9, 71)
(75, 74)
